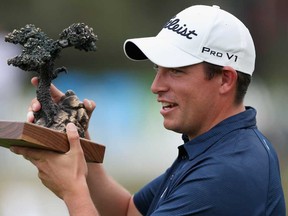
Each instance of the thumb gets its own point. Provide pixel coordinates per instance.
(73, 137)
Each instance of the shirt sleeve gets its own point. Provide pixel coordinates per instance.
(143, 198)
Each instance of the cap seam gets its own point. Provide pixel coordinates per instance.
(204, 40)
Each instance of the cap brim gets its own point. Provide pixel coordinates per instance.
(159, 52)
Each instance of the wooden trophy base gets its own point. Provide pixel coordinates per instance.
(35, 136)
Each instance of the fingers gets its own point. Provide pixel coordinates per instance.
(34, 107)
(35, 104)
(74, 138)
(37, 156)
(30, 117)
(90, 106)
(55, 92)
(34, 81)
(33, 155)
(56, 95)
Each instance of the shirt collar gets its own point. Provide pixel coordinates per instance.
(202, 142)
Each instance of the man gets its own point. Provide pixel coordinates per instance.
(204, 58)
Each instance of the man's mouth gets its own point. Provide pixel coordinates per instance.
(166, 105)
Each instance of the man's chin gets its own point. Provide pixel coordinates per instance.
(171, 127)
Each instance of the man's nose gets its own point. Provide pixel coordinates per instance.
(159, 83)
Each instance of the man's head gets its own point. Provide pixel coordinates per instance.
(205, 58)
(197, 34)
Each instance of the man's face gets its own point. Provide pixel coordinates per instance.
(188, 98)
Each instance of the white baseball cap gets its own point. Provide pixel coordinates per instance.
(196, 34)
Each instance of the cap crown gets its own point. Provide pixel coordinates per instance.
(212, 35)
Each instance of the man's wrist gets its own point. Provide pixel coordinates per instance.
(79, 202)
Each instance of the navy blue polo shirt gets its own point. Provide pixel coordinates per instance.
(230, 170)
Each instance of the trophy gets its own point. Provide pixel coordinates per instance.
(48, 130)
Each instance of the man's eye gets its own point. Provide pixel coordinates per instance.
(176, 71)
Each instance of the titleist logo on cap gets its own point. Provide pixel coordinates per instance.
(175, 26)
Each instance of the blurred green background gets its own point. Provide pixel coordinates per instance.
(127, 118)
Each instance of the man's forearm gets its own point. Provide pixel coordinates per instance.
(80, 203)
(108, 196)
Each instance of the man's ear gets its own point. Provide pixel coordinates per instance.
(229, 79)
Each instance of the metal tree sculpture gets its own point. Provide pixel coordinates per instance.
(39, 55)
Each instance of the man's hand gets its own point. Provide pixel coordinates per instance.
(61, 173)
(56, 94)
(64, 174)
